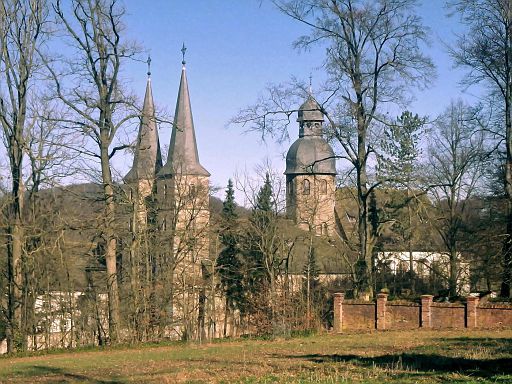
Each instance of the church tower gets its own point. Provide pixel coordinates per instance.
(147, 160)
(172, 201)
(310, 174)
(183, 191)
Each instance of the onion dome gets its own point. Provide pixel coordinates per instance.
(310, 155)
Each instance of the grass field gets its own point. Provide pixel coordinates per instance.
(407, 357)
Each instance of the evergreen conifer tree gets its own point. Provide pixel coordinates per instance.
(399, 167)
(262, 221)
(229, 266)
(262, 258)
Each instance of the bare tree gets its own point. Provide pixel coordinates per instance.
(21, 33)
(456, 165)
(264, 253)
(89, 85)
(181, 255)
(373, 56)
(485, 50)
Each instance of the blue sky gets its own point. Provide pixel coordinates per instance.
(234, 49)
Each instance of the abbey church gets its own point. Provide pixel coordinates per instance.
(167, 269)
(174, 197)
(310, 169)
(180, 187)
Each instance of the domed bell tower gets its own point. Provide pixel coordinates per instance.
(310, 174)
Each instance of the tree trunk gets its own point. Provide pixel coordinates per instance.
(507, 246)
(226, 313)
(507, 250)
(454, 271)
(412, 275)
(365, 281)
(110, 246)
(15, 282)
(14, 331)
(135, 272)
(365, 245)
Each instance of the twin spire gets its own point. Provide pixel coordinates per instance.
(147, 158)
(183, 156)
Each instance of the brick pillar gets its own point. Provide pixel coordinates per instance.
(382, 298)
(338, 312)
(426, 311)
(471, 312)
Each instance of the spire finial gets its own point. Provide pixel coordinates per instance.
(149, 65)
(183, 50)
(310, 83)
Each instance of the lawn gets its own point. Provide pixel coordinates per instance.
(377, 357)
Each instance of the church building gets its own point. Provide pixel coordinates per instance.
(172, 201)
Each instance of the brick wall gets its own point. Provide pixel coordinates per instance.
(358, 315)
(383, 314)
(446, 315)
(495, 316)
(403, 315)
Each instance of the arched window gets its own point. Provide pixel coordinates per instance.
(306, 187)
(323, 187)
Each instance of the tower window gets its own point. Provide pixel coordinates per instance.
(306, 187)
(165, 191)
(290, 187)
(192, 191)
(323, 187)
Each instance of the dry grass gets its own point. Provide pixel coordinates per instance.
(408, 357)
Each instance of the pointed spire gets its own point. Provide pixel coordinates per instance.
(147, 160)
(183, 156)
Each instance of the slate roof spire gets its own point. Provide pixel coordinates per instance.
(183, 157)
(147, 160)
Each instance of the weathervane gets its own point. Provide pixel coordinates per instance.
(310, 83)
(149, 65)
(183, 50)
